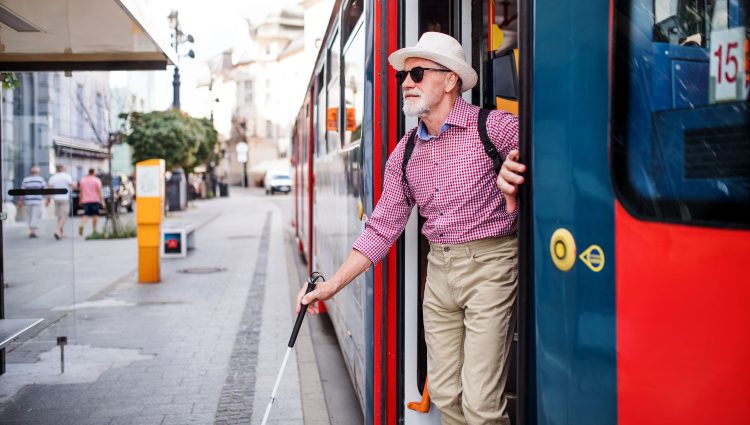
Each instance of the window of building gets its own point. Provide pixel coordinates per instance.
(80, 116)
(248, 90)
(100, 125)
(57, 101)
(680, 138)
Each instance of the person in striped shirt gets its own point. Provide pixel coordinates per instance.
(472, 272)
(33, 203)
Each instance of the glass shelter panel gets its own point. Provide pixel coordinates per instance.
(47, 140)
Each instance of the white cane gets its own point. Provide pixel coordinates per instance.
(314, 277)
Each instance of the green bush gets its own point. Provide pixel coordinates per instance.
(125, 232)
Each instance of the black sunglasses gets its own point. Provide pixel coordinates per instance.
(417, 73)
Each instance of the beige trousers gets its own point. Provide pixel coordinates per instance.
(469, 319)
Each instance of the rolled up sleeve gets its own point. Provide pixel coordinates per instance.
(391, 213)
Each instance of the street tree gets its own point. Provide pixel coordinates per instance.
(181, 140)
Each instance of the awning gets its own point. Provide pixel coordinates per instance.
(68, 146)
(74, 35)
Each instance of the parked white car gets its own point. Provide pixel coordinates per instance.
(277, 181)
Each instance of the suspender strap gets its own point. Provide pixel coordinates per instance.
(408, 149)
(489, 147)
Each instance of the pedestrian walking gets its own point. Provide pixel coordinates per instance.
(61, 180)
(447, 166)
(33, 203)
(90, 196)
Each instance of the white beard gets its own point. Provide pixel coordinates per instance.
(415, 107)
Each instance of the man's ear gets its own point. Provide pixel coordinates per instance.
(451, 82)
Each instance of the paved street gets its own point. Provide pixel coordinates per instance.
(204, 346)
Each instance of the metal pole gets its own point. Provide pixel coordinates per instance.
(176, 88)
(244, 172)
(2, 218)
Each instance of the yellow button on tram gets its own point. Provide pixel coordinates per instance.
(562, 248)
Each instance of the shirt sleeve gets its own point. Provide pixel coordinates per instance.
(391, 213)
(502, 127)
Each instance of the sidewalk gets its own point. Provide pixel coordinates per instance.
(198, 348)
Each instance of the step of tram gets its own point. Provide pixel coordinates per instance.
(511, 386)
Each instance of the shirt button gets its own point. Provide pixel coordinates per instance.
(441, 235)
(437, 190)
(446, 249)
(436, 163)
(441, 214)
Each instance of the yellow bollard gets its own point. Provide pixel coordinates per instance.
(149, 180)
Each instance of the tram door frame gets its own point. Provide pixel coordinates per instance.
(413, 245)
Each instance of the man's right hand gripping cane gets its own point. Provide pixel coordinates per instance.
(510, 178)
(354, 265)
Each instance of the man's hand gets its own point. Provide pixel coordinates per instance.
(323, 291)
(510, 178)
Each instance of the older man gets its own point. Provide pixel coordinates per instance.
(33, 202)
(470, 293)
(61, 180)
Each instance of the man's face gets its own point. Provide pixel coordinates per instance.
(419, 98)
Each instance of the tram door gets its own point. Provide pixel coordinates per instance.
(465, 20)
(50, 122)
(422, 16)
(639, 203)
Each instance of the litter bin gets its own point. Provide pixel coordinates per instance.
(223, 189)
(174, 189)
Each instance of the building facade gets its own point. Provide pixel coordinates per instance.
(261, 86)
(55, 119)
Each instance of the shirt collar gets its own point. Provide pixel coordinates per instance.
(458, 117)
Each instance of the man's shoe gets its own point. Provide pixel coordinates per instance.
(32, 235)
(57, 236)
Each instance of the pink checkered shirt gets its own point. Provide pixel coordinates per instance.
(451, 179)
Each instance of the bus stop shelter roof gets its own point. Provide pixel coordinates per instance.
(79, 35)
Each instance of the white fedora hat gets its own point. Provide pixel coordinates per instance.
(439, 48)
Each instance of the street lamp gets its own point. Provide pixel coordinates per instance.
(179, 37)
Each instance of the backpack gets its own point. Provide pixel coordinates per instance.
(489, 147)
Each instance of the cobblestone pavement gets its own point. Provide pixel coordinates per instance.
(193, 349)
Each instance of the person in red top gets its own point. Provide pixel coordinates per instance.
(469, 299)
(90, 196)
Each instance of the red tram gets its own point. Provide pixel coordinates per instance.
(635, 215)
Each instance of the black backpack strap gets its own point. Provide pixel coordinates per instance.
(489, 147)
(408, 150)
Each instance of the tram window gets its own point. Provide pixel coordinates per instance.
(320, 115)
(689, 22)
(350, 17)
(354, 87)
(437, 16)
(333, 101)
(681, 116)
(506, 19)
